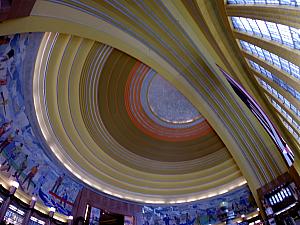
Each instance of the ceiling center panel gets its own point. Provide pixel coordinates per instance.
(131, 103)
(163, 102)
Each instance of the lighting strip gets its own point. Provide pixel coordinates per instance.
(285, 209)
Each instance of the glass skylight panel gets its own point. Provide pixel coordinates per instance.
(279, 97)
(265, 33)
(291, 130)
(296, 36)
(282, 34)
(274, 32)
(271, 58)
(237, 24)
(247, 24)
(269, 2)
(285, 114)
(275, 79)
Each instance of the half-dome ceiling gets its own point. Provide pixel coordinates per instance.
(118, 96)
(101, 99)
(107, 137)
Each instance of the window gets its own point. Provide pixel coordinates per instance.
(14, 215)
(275, 79)
(271, 2)
(35, 221)
(285, 114)
(279, 97)
(279, 33)
(291, 130)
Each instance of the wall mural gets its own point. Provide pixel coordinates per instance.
(21, 155)
(203, 212)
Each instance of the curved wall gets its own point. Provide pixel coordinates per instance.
(207, 211)
(23, 157)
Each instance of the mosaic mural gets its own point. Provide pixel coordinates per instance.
(21, 155)
(203, 212)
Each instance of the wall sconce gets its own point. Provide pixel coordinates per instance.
(70, 220)
(14, 186)
(32, 202)
(51, 212)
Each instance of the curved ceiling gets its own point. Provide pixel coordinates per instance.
(97, 101)
(86, 114)
(114, 100)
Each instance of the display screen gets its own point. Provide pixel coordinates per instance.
(128, 220)
(95, 216)
(108, 218)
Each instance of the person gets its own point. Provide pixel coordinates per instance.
(187, 219)
(64, 198)
(4, 40)
(4, 65)
(5, 127)
(167, 219)
(79, 221)
(8, 140)
(22, 167)
(14, 154)
(57, 183)
(177, 220)
(31, 175)
(39, 184)
(197, 220)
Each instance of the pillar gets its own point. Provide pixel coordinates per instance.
(7, 202)
(29, 212)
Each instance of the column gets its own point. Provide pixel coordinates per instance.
(51, 214)
(6, 203)
(70, 220)
(29, 212)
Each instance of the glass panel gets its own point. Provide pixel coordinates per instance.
(14, 215)
(288, 117)
(247, 24)
(35, 221)
(271, 2)
(279, 97)
(275, 79)
(271, 58)
(291, 130)
(282, 34)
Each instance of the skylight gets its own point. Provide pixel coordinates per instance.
(286, 35)
(279, 97)
(276, 80)
(285, 114)
(291, 130)
(272, 58)
(270, 2)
